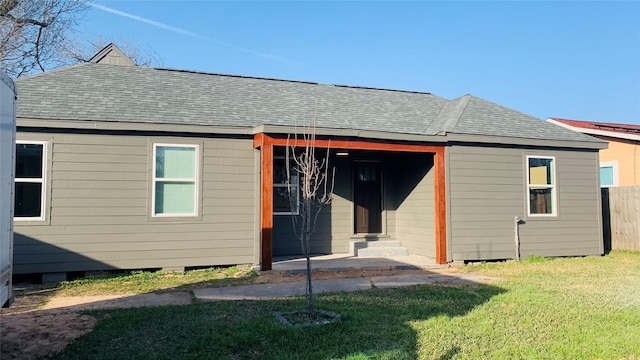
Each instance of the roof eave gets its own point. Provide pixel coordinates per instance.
(131, 126)
(366, 134)
(275, 129)
(504, 140)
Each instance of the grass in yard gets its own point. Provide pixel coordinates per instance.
(582, 308)
(139, 282)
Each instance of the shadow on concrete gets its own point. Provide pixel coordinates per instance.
(287, 279)
(343, 261)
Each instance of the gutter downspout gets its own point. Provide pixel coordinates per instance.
(516, 234)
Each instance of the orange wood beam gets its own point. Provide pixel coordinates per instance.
(258, 140)
(266, 200)
(266, 144)
(358, 145)
(440, 206)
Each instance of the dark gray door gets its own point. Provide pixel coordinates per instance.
(367, 198)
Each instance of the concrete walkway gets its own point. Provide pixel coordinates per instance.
(337, 262)
(279, 290)
(257, 291)
(285, 289)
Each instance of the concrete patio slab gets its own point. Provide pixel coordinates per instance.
(347, 261)
(269, 291)
(279, 290)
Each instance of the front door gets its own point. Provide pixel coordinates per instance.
(367, 198)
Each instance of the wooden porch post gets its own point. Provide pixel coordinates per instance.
(265, 143)
(441, 206)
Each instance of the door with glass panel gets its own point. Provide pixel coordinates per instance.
(367, 198)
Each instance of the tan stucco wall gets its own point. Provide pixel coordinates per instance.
(627, 153)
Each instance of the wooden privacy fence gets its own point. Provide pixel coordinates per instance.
(621, 218)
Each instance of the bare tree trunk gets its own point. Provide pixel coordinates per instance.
(315, 186)
(310, 304)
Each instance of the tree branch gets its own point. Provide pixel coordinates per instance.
(37, 47)
(23, 21)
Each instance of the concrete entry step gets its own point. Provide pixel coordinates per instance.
(377, 248)
(383, 251)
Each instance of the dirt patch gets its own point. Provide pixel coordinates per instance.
(28, 332)
(32, 335)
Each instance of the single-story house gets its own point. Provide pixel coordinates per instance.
(127, 167)
(619, 163)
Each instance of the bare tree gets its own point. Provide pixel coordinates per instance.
(34, 33)
(316, 188)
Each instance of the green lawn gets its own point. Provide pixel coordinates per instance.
(140, 282)
(584, 308)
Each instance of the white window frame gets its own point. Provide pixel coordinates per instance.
(195, 180)
(613, 164)
(553, 186)
(287, 185)
(42, 181)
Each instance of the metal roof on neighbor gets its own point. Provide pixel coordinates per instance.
(100, 92)
(593, 125)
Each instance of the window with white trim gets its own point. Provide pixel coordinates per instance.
(541, 185)
(175, 180)
(609, 173)
(31, 159)
(286, 194)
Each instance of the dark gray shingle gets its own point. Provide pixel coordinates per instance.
(481, 117)
(100, 92)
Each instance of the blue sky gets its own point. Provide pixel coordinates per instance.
(570, 59)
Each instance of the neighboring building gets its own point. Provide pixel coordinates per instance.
(130, 167)
(7, 166)
(620, 162)
(112, 55)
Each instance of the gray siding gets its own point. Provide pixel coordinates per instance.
(99, 207)
(335, 222)
(416, 212)
(408, 207)
(487, 189)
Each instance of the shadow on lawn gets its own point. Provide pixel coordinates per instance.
(397, 317)
(379, 323)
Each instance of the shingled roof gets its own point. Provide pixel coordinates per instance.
(110, 93)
